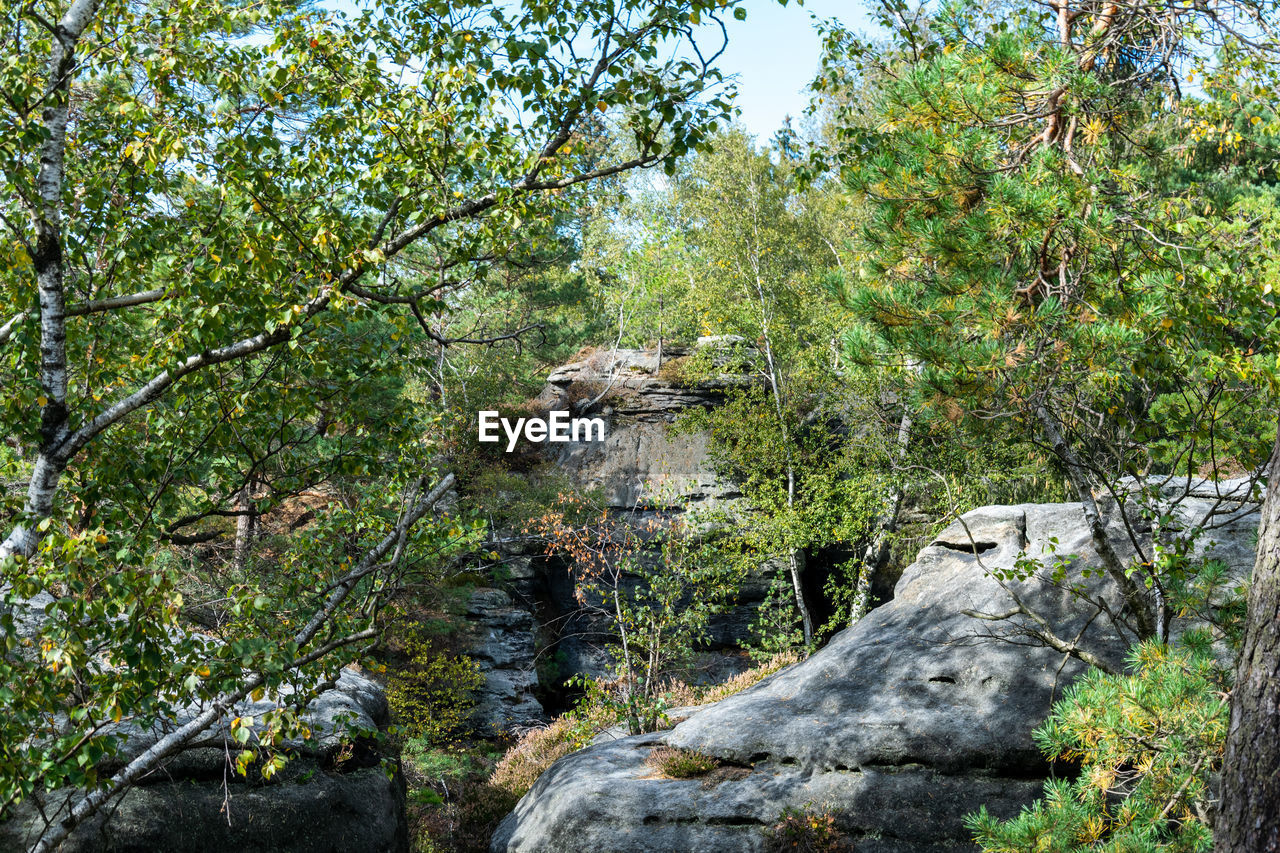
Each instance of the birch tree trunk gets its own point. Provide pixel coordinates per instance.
(46, 258)
(795, 558)
(873, 559)
(246, 523)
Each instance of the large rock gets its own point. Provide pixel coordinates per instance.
(646, 474)
(334, 795)
(502, 643)
(640, 462)
(900, 726)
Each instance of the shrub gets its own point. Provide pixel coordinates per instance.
(681, 763)
(538, 748)
(432, 695)
(679, 693)
(1148, 744)
(806, 831)
(673, 370)
(752, 676)
(452, 807)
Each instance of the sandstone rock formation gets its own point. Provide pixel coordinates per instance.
(639, 464)
(502, 645)
(900, 726)
(642, 470)
(332, 797)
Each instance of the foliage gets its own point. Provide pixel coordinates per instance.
(452, 806)
(538, 748)
(746, 679)
(659, 608)
(1051, 243)
(431, 696)
(1148, 744)
(228, 227)
(534, 751)
(806, 831)
(681, 763)
(117, 650)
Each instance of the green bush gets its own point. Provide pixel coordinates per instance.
(452, 806)
(431, 697)
(1147, 743)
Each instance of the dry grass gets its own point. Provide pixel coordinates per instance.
(538, 748)
(678, 693)
(535, 751)
(752, 676)
(681, 763)
(673, 370)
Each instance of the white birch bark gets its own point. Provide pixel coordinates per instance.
(46, 221)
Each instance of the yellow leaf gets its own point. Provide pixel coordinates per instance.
(42, 400)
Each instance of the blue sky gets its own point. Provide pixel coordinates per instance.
(774, 54)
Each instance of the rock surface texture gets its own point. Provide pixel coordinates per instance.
(331, 798)
(643, 472)
(900, 726)
(502, 645)
(639, 463)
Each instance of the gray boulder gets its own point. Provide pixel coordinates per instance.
(904, 723)
(334, 795)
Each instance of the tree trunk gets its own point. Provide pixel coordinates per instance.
(795, 563)
(1248, 819)
(245, 525)
(877, 553)
(1136, 603)
(795, 558)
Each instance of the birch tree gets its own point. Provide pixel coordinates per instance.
(215, 215)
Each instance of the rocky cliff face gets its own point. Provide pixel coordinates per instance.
(640, 464)
(643, 471)
(502, 644)
(900, 726)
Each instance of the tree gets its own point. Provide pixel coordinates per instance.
(1249, 812)
(653, 580)
(1068, 236)
(221, 217)
(1052, 244)
(1147, 743)
(755, 242)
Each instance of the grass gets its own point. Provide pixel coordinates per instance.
(535, 751)
(681, 763)
(538, 748)
(452, 807)
(679, 693)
